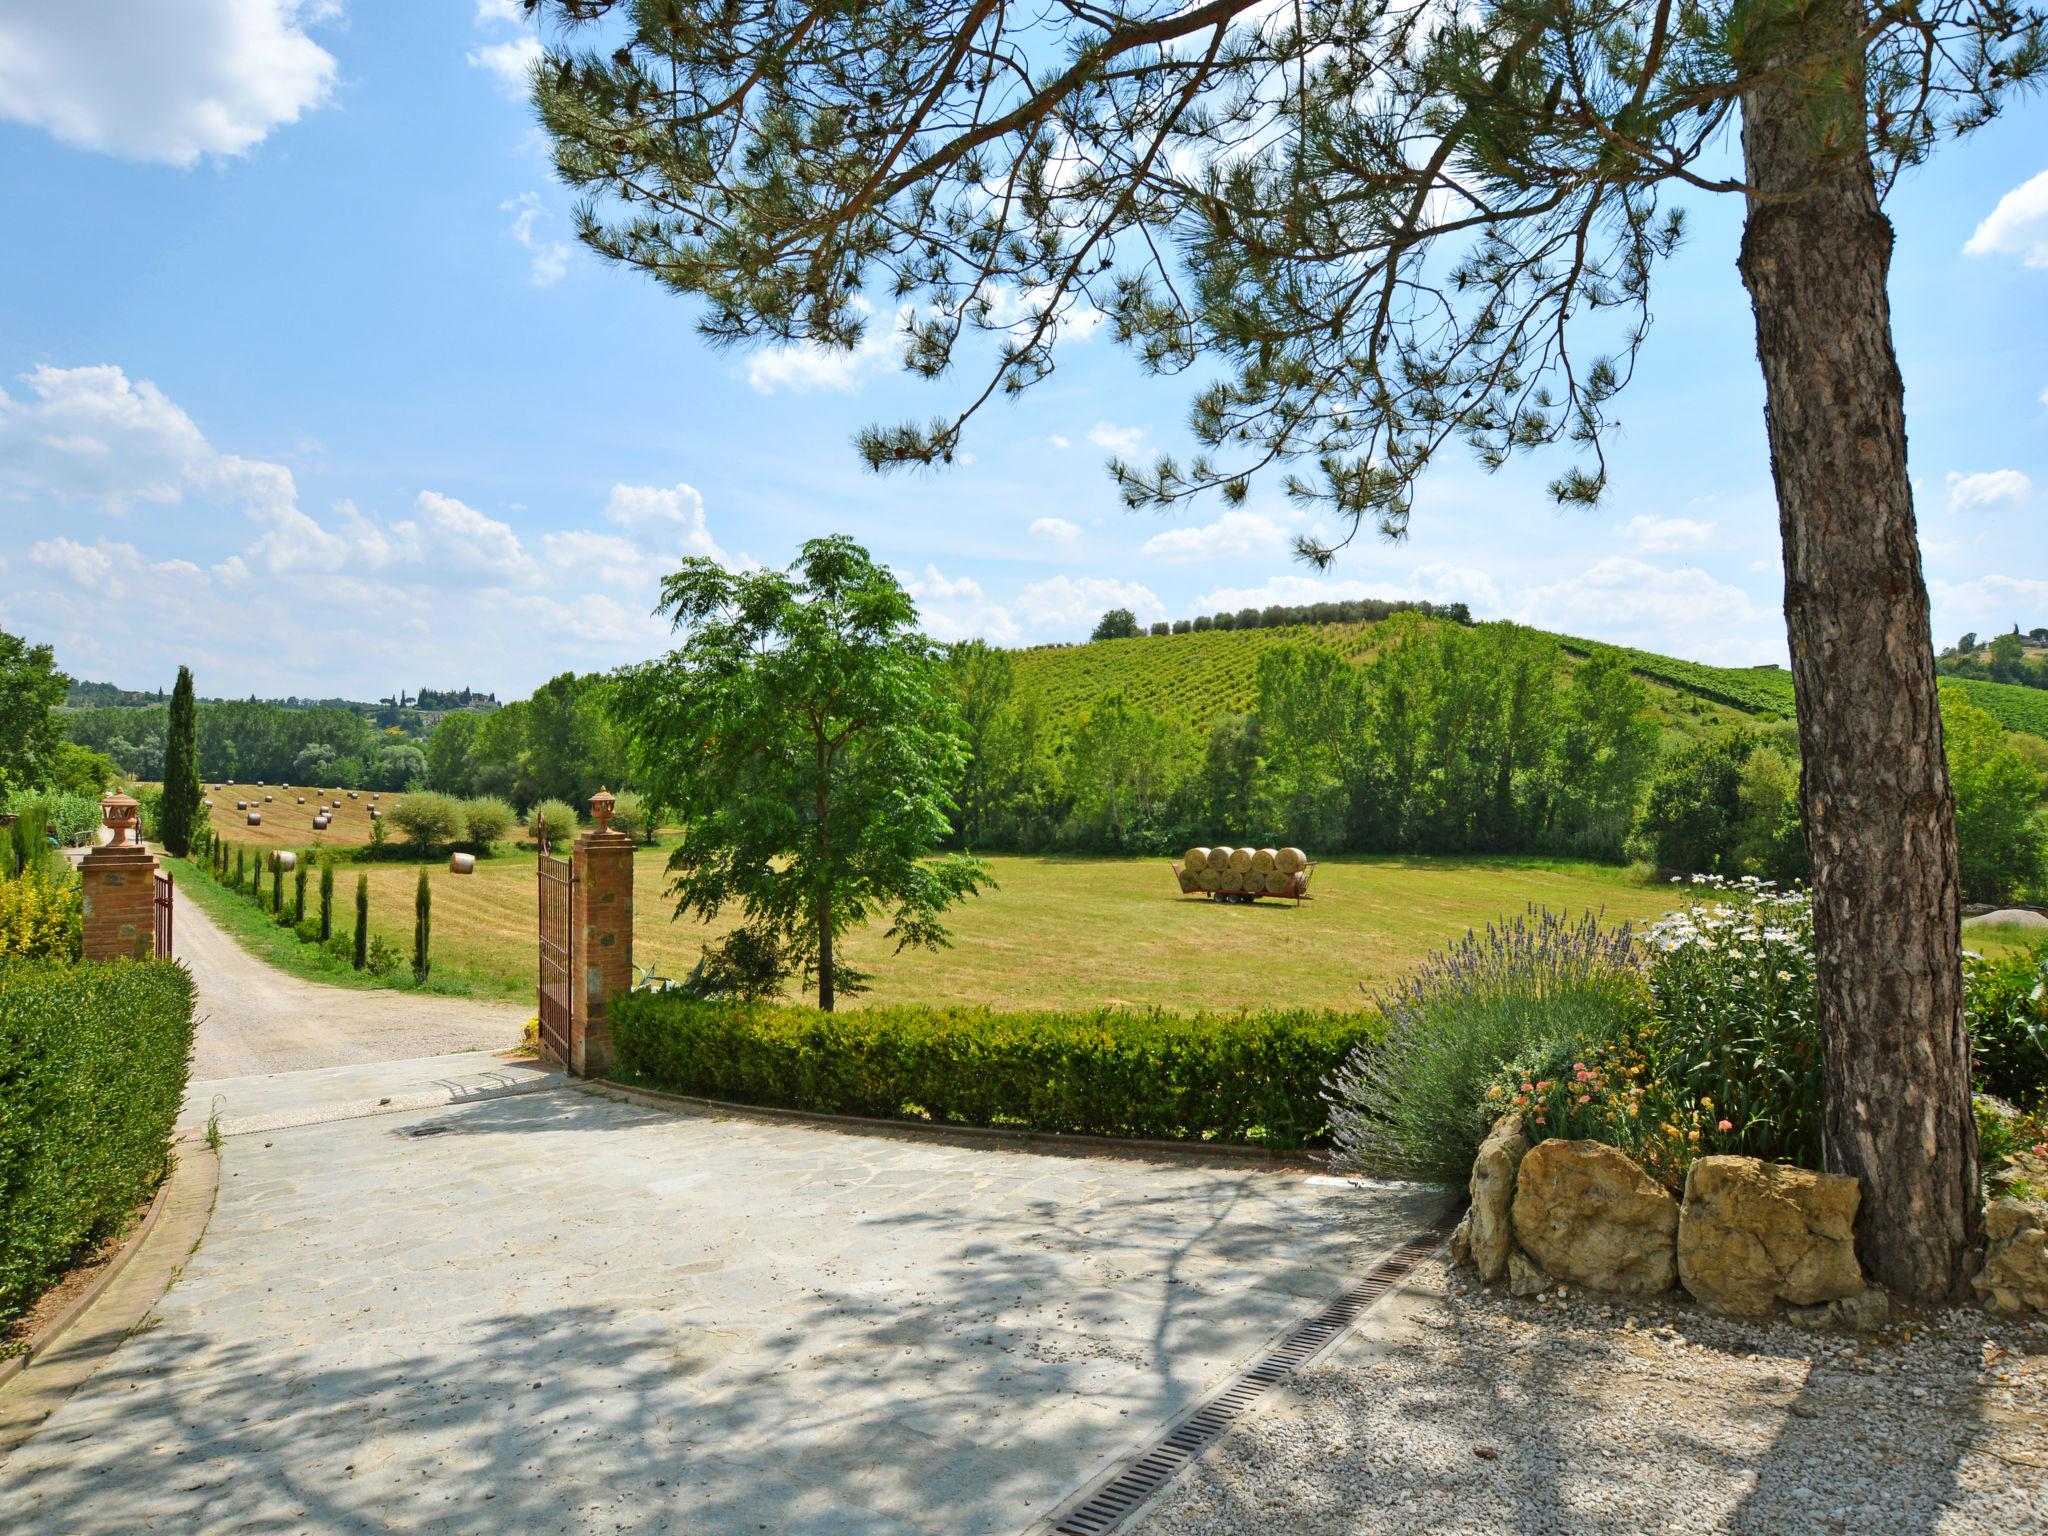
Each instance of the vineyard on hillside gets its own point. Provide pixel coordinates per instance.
(1198, 678)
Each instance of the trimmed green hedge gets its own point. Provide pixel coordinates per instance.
(92, 1071)
(1241, 1077)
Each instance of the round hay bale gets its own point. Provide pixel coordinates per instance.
(285, 860)
(1195, 858)
(1278, 884)
(208, 804)
(1263, 861)
(268, 798)
(1290, 861)
(351, 794)
(302, 799)
(1187, 880)
(255, 818)
(319, 823)
(241, 805)
(1231, 881)
(1241, 860)
(461, 863)
(1209, 879)
(375, 814)
(1219, 859)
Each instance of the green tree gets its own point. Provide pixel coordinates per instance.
(1606, 751)
(448, 753)
(1117, 624)
(299, 893)
(985, 686)
(1998, 794)
(805, 736)
(31, 731)
(1380, 228)
(362, 944)
(179, 809)
(1123, 767)
(422, 927)
(326, 901)
(2007, 659)
(1694, 814)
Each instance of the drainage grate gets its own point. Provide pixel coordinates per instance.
(1108, 1507)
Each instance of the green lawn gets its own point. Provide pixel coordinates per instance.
(1057, 931)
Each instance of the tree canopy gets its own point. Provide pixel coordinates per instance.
(807, 738)
(31, 734)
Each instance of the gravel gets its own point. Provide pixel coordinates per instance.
(1460, 1411)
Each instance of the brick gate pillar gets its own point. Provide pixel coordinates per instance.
(601, 919)
(118, 885)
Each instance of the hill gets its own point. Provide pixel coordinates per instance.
(1197, 678)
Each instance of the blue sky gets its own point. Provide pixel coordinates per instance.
(305, 384)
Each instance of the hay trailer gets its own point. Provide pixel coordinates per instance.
(1245, 874)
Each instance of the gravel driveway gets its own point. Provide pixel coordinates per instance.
(255, 1019)
(1472, 1415)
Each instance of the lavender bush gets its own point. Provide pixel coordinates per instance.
(1414, 1103)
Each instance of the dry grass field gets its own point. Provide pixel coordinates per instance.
(1055, 932)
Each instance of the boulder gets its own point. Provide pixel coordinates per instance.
(1461, 1242)
(1868, 1311)
(1752, 1234)
(1591, 1217)
(1491, 1237)
(2014, 1278)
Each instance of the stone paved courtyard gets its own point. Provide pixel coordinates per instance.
(559, 1311)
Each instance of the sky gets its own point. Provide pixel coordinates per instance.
(303, 382)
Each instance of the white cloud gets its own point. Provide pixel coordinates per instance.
(1062, 443)
(1662, 534)
(1966, 493)
(166, 83)
(1066, 607)
(1055, 530)
(1234, 535)
(1681, 612)
(88, 565)
(955, 608)
(807, 366)
(1107, 434)
(2018, 226)
(664, 513)
(550, 257)
(1989, 605)
(510, 62)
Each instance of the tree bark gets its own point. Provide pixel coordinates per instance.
(1879, 815)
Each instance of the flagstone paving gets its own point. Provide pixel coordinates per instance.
(555, 1311)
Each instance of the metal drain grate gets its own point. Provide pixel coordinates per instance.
(1108, 1507)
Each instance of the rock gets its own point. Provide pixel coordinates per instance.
(2007, 917)
(1493, 1190)
(1590, 1216)
(1868, 1311)
(1461, 1241)
(1525, 1275)
(2014, 1278)
(1752, 1233)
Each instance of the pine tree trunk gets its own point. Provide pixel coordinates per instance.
(1879, 816)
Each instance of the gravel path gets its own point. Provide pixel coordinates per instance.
(1459, 1412)
(256, 1019)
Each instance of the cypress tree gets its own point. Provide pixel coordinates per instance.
(179, 809)
(241, 865)
(422, 925)
(362, 921)
(276, 885)
(326, 902)
(299, 896)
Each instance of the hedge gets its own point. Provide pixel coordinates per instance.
(92, 1071)
(1239, 1077)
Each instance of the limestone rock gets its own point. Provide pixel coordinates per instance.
(1591, 1217)
(2015, 1274)
(1868, 1311)
(1752, 1233)
(1525, 1276)
(1461, 1242)
(1493, 1190)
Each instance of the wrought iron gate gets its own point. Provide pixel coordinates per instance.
(557, 880)
(165, 892)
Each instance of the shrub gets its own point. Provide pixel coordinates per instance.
(92, 1070)
(2006, 1004)
(381, 958)
(561, 820)
(427, 819)
(630, 815)
(1414, 1103)
(40, 917)
(1244, 1077)
(488, 819)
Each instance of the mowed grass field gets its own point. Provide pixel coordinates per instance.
(1057, 932)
